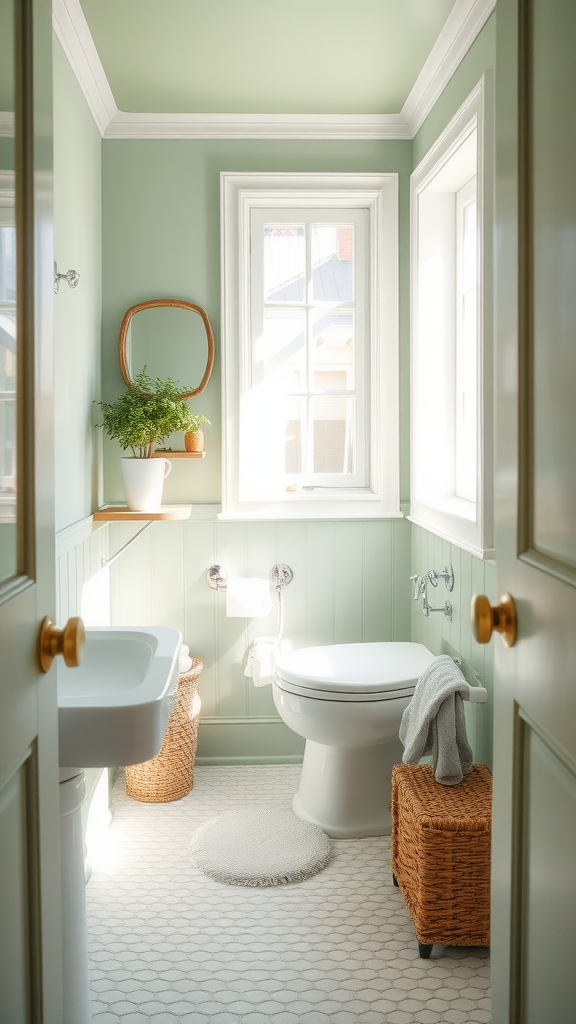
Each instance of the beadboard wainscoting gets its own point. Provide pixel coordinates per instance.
(350, 584)
(471, 576)
(79, 552)
(82, 588)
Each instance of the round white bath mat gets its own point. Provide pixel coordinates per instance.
(260, 846)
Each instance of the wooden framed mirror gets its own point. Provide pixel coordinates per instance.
(171, 338)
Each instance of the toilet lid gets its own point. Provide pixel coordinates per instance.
(369, 671)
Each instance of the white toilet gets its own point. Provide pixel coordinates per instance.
(347, 701)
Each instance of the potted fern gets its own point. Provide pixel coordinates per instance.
(148, 412)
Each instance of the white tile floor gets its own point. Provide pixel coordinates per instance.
(170, 946)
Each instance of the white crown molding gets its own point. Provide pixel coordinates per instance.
(462, 26)
(72, 30)
(257, 126)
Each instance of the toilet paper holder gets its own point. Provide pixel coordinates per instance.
(280, 576)
(217, 577)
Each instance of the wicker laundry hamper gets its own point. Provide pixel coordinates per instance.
(170, 775)
(441, 854)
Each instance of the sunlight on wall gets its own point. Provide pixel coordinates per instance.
(95, 606)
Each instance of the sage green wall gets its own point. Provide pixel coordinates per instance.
(77, 313)
(161, 237)
(472, 575)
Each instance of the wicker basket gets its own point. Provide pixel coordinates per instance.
(194, 440)
(170, 775)
(441, 854)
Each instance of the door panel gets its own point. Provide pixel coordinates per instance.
(550, 47)
(30, 946)
(548, 921)
(534, 882)
(16, 952)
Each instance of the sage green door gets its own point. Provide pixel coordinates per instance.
(534, 852)
(30, 972)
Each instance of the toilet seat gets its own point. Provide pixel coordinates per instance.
(353, 672)
(344, 692)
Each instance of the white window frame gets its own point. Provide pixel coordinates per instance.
(464, 523)
(378, 194)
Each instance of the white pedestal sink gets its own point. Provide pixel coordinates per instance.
(112, 710)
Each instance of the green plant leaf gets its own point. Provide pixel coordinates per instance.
(148, 412)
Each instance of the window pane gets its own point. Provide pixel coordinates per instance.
(280, 352)
(284, 262)
(332, 439)
(332, 351)
(466, 357)
(294, 417)
(466, 459)
(469, 243)
(332, 247)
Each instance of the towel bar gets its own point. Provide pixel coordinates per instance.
(475, 694)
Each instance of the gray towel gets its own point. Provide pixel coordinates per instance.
(434, 722)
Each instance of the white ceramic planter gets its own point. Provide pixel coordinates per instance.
(143, 481)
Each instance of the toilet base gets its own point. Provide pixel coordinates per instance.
(346, 791)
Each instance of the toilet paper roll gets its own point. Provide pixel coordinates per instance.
(248, 597)
(184, 660)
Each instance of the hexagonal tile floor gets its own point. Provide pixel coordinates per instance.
(170, 946)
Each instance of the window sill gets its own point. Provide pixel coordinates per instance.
(457, 508)
(486, 554)
(303, 513)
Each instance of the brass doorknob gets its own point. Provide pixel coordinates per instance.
(69, 642)
(485, 618)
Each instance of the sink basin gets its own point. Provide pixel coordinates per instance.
(113, 709)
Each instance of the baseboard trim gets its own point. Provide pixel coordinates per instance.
(271, 759)
(240, 720)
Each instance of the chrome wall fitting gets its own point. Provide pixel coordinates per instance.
(421, 590)
(217, 577)
(428, 608)
(447, 575)
(281, 576)
(446, 608)
(72, 276)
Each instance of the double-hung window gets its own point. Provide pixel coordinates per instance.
(310, 346)
(451, 431)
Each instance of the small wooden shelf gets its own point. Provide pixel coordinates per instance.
(119, 513)
(178, 455)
